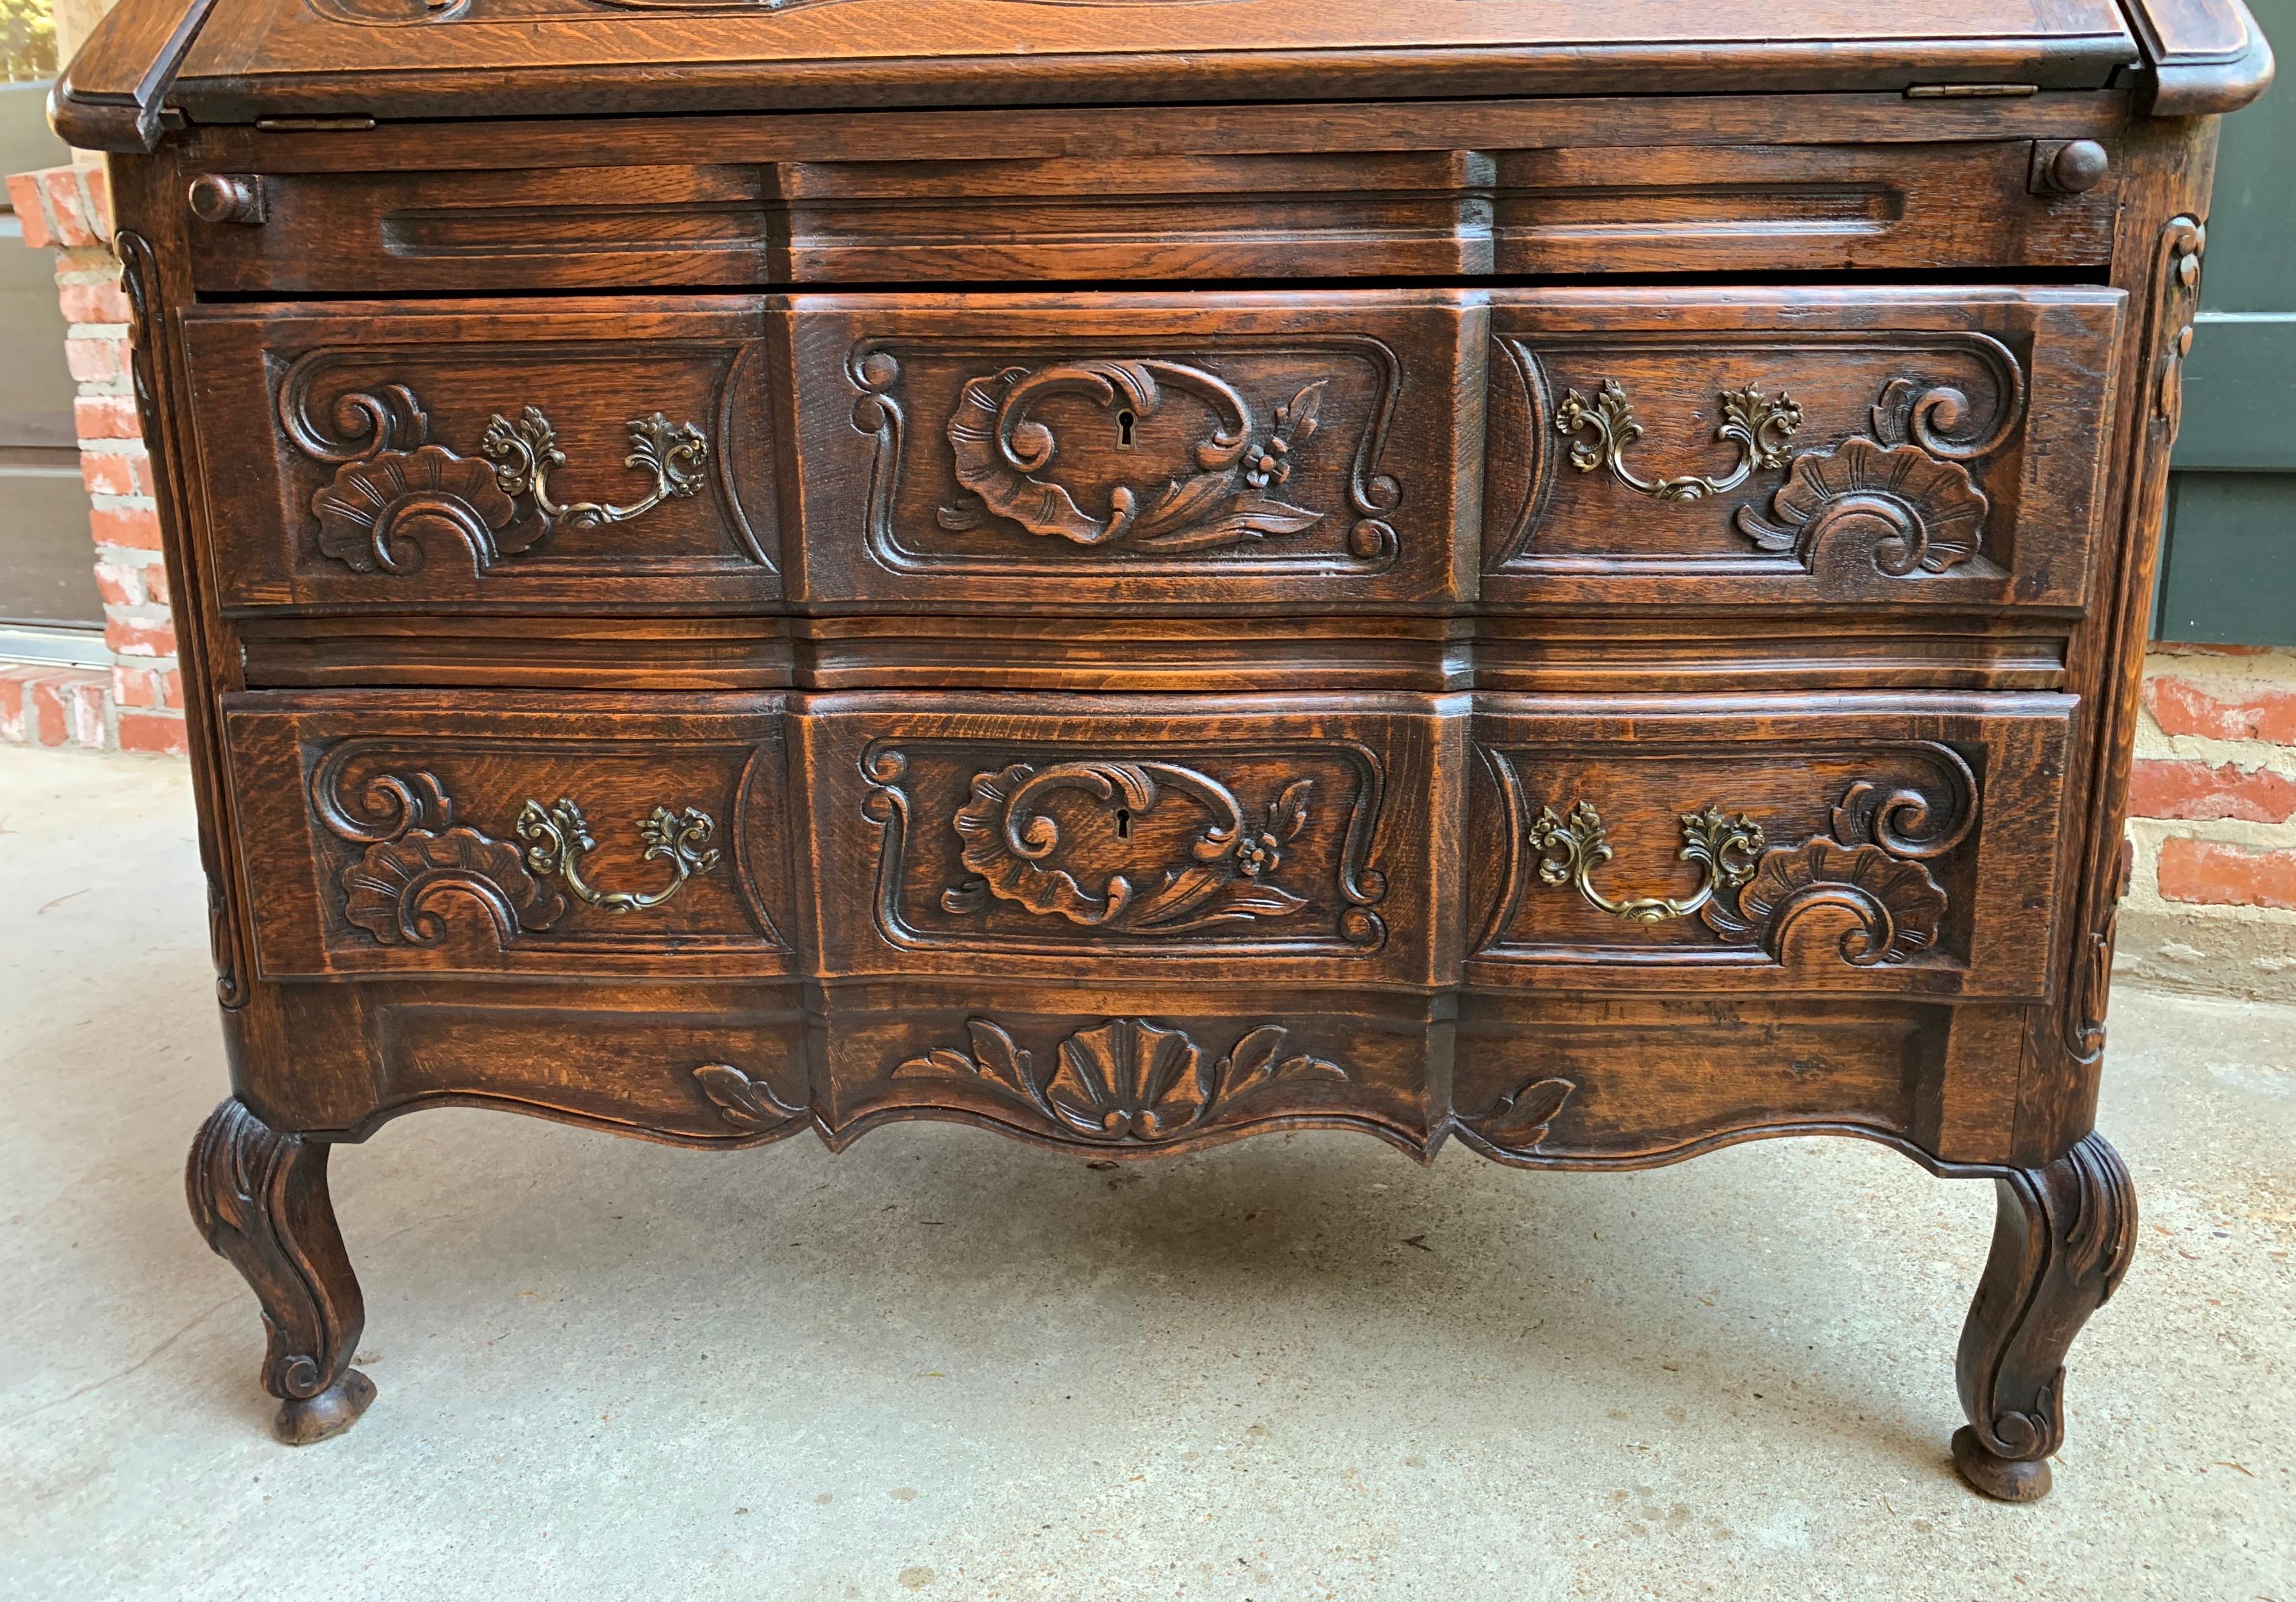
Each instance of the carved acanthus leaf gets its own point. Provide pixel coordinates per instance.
(745, 1102)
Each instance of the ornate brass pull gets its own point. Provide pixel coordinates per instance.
(1757, 424)
(525, 453)
(557, 838)
(1724, 847)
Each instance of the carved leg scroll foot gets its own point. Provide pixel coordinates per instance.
(2062, 1241)
(260, 1198)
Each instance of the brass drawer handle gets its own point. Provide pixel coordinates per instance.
(557, 838)
(1757, 424)
(1724, 848)
(525, 452)
(394, 489)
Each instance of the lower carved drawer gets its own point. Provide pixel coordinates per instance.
(1141, 839)
(1905, 843)
(404, 833)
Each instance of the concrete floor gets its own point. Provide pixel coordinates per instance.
(946, 1364)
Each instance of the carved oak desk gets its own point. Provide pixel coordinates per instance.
(1194, 570)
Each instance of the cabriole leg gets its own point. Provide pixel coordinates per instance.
(260, 1198)
(2061, 1241)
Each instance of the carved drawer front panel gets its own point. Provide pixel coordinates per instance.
(1239, 840)
(1549, 1081)
(1786, 208)
(538, 225)
(1898, 843)
(1939, 448)
(580, 453)
(389, 833)
(1311, 451)
(1134, 1071)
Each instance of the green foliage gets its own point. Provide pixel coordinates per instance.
(27, 39)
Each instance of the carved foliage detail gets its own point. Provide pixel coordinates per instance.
(393, 488)
(1125, 1080)
(1237, 868)
(1229, 877)
(744, 1102)
(1228, 490)
(1516, 1123)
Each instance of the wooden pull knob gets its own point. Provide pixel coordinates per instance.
(227, 198)
(2078, 166)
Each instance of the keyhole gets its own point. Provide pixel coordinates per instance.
(1123, 823)
(1125, 423)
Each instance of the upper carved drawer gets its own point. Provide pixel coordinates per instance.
(584, 454)
(1210, 450)
(1085, 209)
(1922, 447)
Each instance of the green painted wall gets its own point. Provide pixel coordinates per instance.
(2228, 568)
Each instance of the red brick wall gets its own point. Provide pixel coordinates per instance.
(138, 705)
(2212, 804)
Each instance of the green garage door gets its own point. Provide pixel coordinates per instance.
(2228, 573)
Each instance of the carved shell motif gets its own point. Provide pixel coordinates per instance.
(1124, 1079)
(1915, 512)
(1897, 904)
(373, 515)
(393, 890)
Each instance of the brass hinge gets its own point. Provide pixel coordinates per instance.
(1972, 91)
(313, 124)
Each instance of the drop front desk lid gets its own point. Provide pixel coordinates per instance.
(156, 62)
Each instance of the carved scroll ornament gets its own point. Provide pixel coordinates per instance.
(1236, 869)
(1753, 894)
(419, 866)
(1905, 495)
(392, 487)
(1126, 1080)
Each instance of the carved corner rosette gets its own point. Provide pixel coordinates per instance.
(1906, 496)
(418, 865)
(1124, 1081)
(1754, 893)
(393, 487)
(1230, 873)
(1229, 490)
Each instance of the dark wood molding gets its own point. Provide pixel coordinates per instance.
(2202, 57)
(113, 94)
